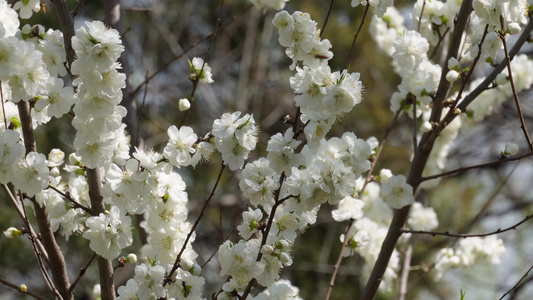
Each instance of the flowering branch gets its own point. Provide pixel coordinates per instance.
(197, 78)
(367, 180)
(56, 260)
(419, 161)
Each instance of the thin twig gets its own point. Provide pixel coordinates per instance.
(43, 252)
(488, 164)
(464, 235)
(515, 95)
(11, 285)
(327, 18)
(367, 180)
(355, 38)
(405, 269)
(339, 260)
(75, 203)
(415, 127)
(3, 105)
(420, 16)
(140, 110)
(82, 272)
(168, 278)
(77, 9)
(33, 238)
(517, 283)
(266, 231)
(167, 64)
(197, 78)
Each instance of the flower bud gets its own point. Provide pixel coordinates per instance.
(132, 258)
(514, 28)
(510, 149)
(501, 79)
(452, 76)
(385, 174)
(74, 159)
(285, 258)
(12, 232)
(56, 158)
(23, 288)
(184, 104)
(186, 264)
(453, 64)
(267, 249)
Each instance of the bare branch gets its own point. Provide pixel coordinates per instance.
(355, 38)
(82, 272)
(464, 235)
(168, 278)
(463, 169)
(515, 95)
(327, 17)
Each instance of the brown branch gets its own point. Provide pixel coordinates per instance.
(105, 268)
(517, 283)
(74, 202)
(463, 169)
(524, 37)
(515, 95)
(419, 161)
(420, 16)
(327, 18)
(355, 37)
(464, 235)
(75, 12)
(66, 20)
(404, 279)
(339, 260)
(21, 213)
(82, 272)
(33, 238)
(168, 278)
(11, 285)
(56, 260)
(3, 105)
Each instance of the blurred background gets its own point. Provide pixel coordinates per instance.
(251, 74)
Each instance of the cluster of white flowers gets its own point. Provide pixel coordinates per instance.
(471, 251)
(437, 18)
(204, 75)
(379, 6)
(298, 33)
(109, 233)
(274, 4)
(235, 137)
(100, 136)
